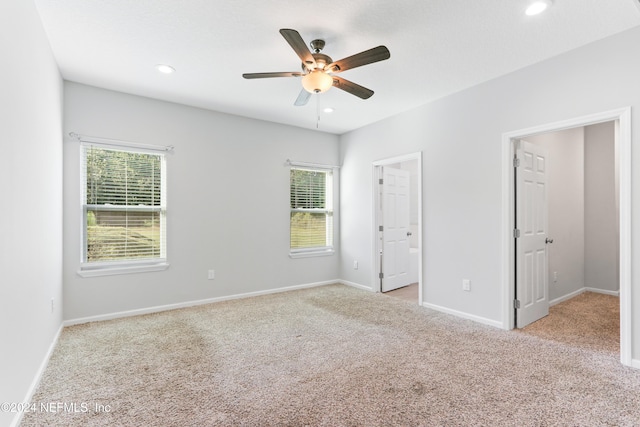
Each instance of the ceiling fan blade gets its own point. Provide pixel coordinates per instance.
(299, 46)
(267, 75)
(370, 56)
(352, 88)
(303, 98)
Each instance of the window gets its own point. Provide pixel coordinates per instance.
(123, 208)
(311, 194)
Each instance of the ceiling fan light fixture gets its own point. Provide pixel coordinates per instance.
(317, 82)
(538, 7)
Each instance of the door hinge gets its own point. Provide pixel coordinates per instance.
(381, 181)
(516, 304)
(516, 233)
(516, 162)
(381, 228)
(381, 276)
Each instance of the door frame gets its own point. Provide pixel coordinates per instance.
(376, 169)
(622, 119)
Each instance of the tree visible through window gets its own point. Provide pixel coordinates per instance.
(311, 192)
(123, 205)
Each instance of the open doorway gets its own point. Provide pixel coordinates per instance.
(397, 212)
(579, 257)
(621, 123)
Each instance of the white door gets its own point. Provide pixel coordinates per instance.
(395, 232)
(532, 296)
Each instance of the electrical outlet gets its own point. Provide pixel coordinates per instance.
(212, 274)
(555, 277)
(355, 265)
(52, 305)
(466, 285)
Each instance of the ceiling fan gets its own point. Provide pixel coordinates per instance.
(318, 69)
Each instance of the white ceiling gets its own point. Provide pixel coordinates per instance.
(437, 47)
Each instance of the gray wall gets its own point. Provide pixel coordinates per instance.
(566, 209)
(461, 140)
(228, 202)
(602, 240)
(31, 188)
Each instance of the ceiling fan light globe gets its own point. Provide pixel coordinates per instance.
(317, 81)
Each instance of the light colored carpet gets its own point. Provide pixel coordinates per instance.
(328, 356)
(589, 320)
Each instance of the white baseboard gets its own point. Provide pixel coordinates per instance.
(37, 377)
(566, 297)
(186, 304)
(580, 291)
(603, 291)
(355, 285)
(635, 363)
(483, 320)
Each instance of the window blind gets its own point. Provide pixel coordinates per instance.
(124, 205)
(311, 220)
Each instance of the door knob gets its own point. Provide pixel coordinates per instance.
(548, 240)
(409, 233)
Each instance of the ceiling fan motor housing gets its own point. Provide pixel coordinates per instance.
(322, 61)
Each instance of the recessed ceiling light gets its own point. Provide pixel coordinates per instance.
(538, 7)
(328, 110)
(165, 69)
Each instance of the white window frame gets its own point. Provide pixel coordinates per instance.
(106, 268)
(330, 195)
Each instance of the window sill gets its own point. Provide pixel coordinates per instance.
(308, 254)
(111, 271)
